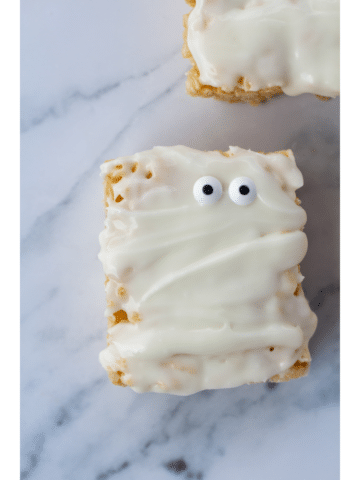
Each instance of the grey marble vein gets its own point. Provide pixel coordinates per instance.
(39, 231)
(322, 294)
(48, 296)
(66, 413)
(113, 471)
(63, 105)
(33, 457)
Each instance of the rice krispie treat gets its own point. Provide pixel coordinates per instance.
(201, 253)
(251, 50)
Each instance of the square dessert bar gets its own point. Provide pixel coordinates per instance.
(201, 253)
(250, 50)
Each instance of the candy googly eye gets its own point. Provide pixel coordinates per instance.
(242, 191)
(207, 190)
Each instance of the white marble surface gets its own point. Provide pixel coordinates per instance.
(105, 78)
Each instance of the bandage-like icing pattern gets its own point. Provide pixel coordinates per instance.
(202, 296)
(294, 44)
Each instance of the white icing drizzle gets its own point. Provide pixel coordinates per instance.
(294, 44)
(213, 286)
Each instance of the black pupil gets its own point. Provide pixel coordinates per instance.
(208, 189)
(244, 189)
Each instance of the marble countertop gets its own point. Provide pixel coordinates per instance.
(106, 78)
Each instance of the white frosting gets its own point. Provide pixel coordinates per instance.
(293, 44)
(212, 285)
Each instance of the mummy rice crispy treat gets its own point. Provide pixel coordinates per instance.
(251, 50)
(201, 253)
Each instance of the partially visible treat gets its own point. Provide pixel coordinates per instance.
(201, 253)
(251, 50)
